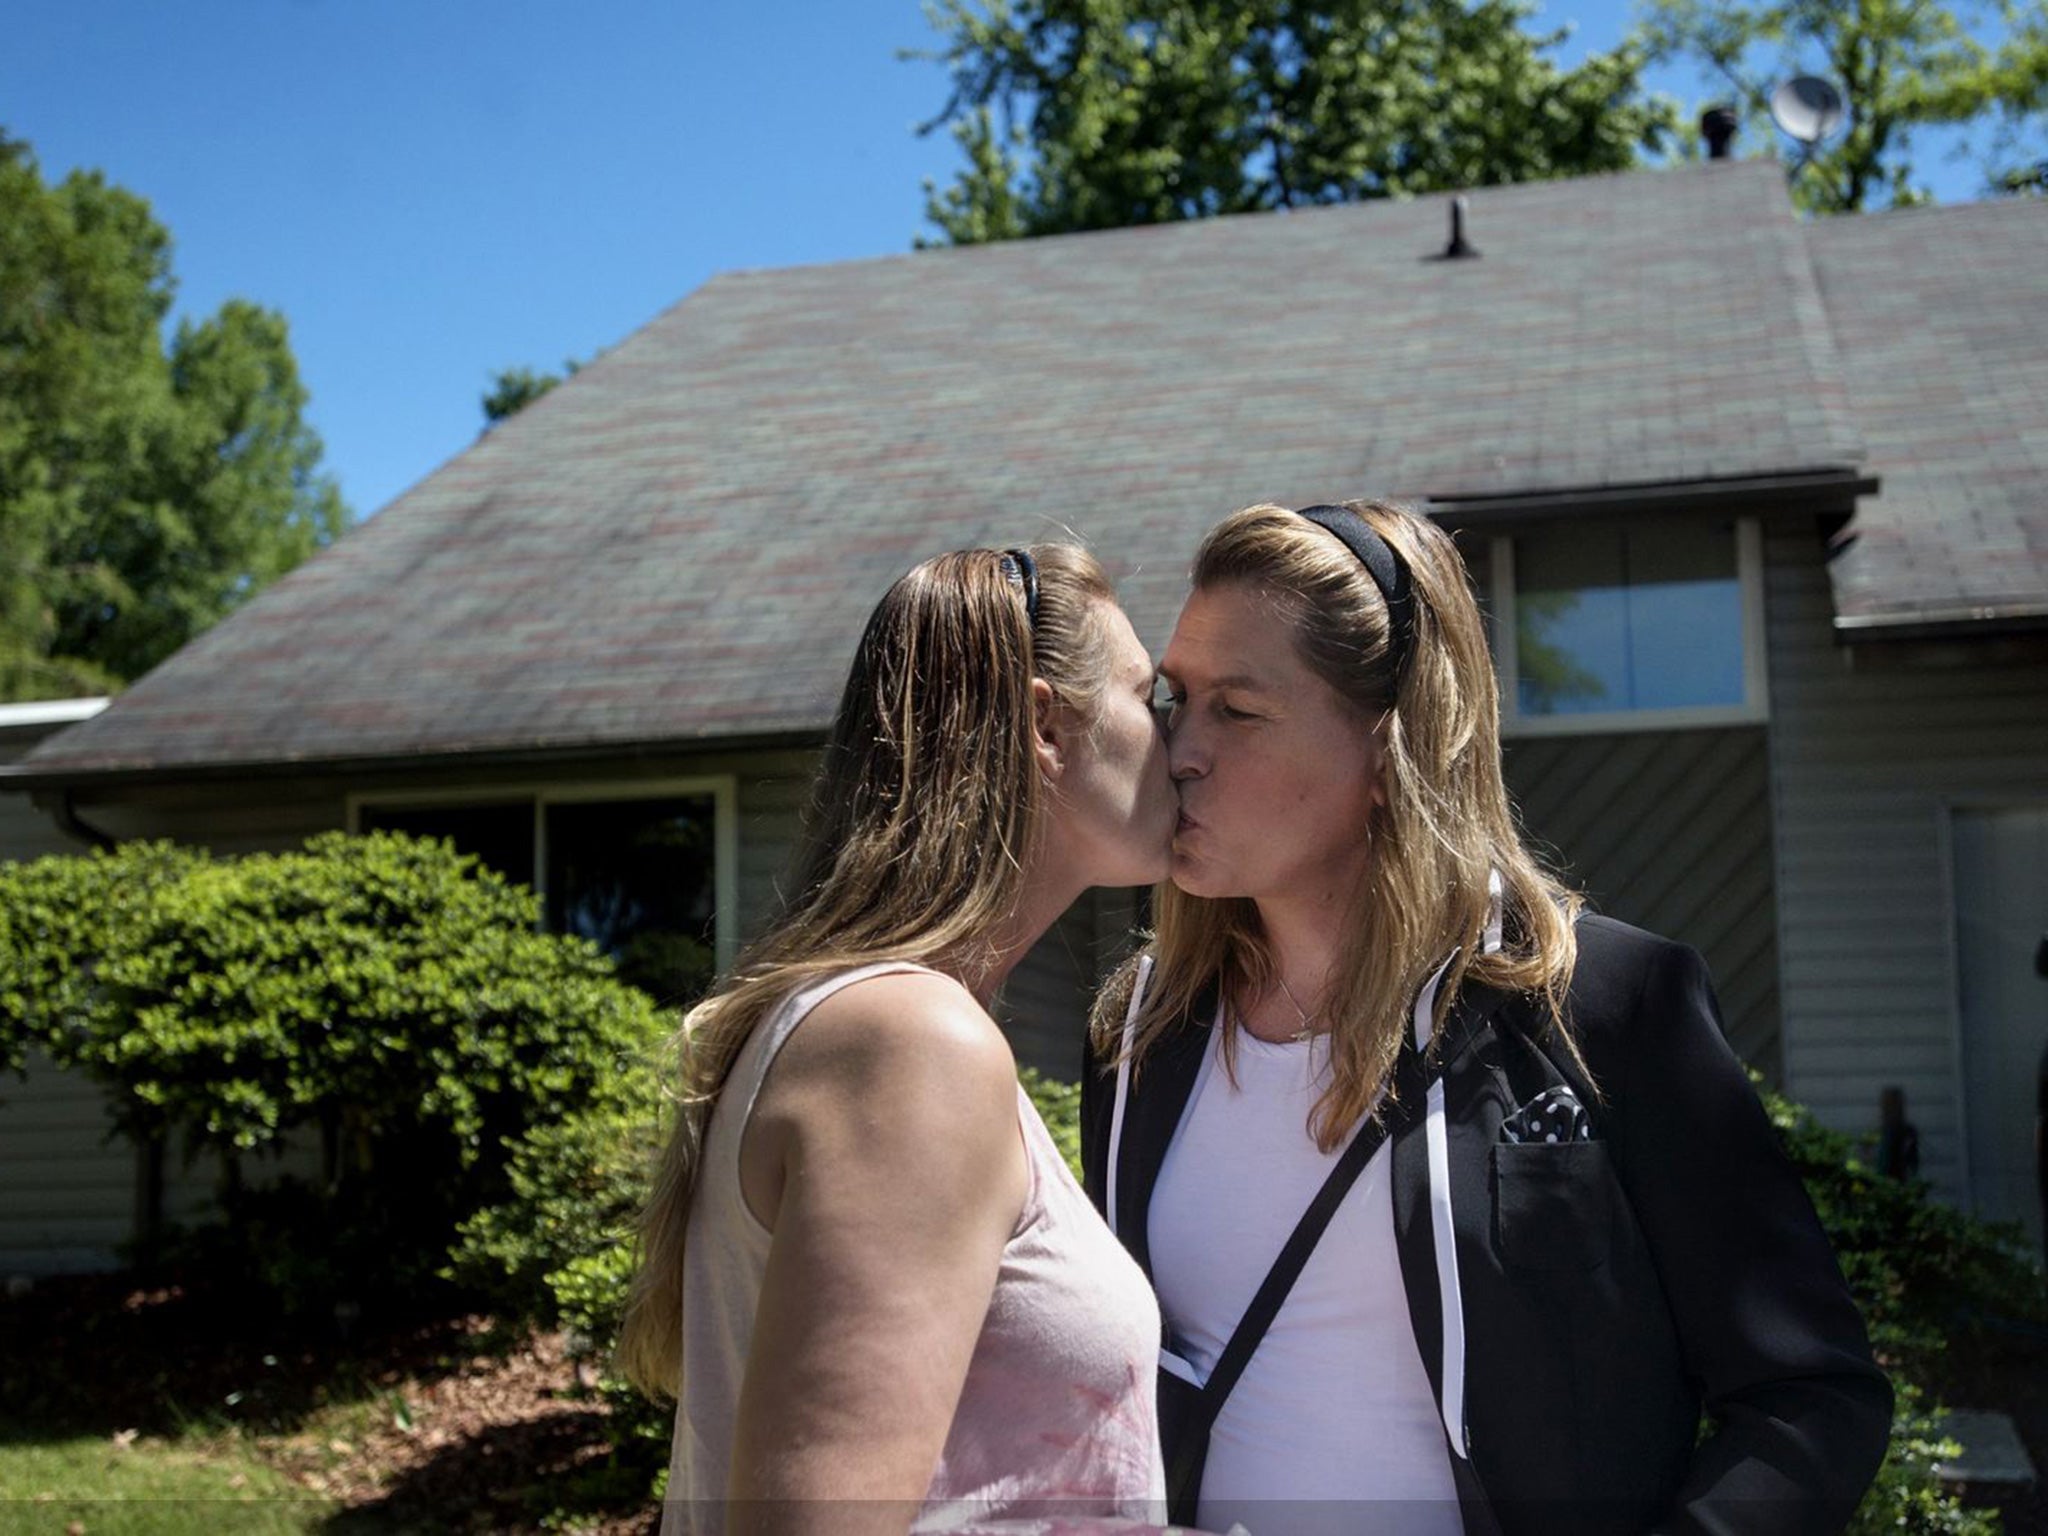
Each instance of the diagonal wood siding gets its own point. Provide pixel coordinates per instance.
(1671, 831)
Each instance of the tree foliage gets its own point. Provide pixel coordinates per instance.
(147, 485)
(1093, 114)
(514, 389)
(1902, 66)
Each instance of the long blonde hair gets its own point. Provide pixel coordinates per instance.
(926, 806)
(1445, 825)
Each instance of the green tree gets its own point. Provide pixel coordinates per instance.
(146, 486)
(1093, 114)
(1901, 65)
(514, 389)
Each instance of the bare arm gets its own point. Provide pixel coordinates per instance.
(885, 1154)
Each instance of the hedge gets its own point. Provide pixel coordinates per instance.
(381, 997)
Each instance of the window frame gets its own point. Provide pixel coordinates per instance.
(1754, 709)
(721, 788)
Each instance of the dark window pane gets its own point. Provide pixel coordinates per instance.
(635, 876)
(500, 835)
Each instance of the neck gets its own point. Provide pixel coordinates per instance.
(1305, 937)
(984, 971)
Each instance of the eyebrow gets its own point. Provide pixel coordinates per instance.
(1243, 681)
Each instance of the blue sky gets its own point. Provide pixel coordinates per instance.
(431, 190)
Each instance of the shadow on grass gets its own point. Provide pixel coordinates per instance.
(101, 1354)
(542, 1473)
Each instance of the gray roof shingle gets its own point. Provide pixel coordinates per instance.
(1941, 315)
(681, 543)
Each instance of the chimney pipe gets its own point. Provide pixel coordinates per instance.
(1718, 125)
(1459, 245)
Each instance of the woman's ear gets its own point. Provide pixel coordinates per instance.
(1376, 761)
(1048, 731)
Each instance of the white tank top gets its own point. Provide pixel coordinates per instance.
(1057, 1416)
(1332, 1427)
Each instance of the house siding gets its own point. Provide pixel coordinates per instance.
(67, 1195)
(1671, 831)
(25, 831)
(1868, 754)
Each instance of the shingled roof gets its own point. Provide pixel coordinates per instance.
(679, 545)
(1941, 315)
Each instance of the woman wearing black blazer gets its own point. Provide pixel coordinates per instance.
(1572, 1240)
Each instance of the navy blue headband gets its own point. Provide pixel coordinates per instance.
(1021, 568)
(1388, 571)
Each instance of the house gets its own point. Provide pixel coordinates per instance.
(52, 1127)
(1756, 505)
(25, 831)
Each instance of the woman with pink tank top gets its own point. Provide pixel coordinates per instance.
(881, 1300)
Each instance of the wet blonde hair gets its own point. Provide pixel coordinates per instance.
(926, 807)
(1444, 826)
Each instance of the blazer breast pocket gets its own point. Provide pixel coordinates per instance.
(1553, 1204)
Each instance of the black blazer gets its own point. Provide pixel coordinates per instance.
(1612, 1289)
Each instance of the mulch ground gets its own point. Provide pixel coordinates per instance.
(429, 1424)
(2005, 1370)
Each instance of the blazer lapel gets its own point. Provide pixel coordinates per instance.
(1414, 1241)
(1159, 1092)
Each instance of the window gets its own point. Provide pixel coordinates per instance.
(635, 878)
(647, 873)
(500, 835)
(1646, 624)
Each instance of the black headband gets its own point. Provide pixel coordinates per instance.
(1388, 571)
(1022, 569)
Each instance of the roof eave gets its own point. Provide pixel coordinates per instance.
(1821, 487)
(453, 762)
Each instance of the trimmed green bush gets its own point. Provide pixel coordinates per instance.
(558, 1249)
(1917, 1266)
(58, 919)
(1919, 1270)
(1059, 1105)
(382, 996)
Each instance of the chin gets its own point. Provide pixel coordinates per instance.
(1194, 878)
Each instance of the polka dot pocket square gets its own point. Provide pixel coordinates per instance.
(1553, 1115)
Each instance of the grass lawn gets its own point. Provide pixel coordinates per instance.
(93, 1485)
(148, 1410)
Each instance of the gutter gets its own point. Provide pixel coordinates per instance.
(1967, 622)
(69, 822)
(49, 712)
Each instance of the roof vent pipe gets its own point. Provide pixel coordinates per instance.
(1459, 245)
(1717, 127)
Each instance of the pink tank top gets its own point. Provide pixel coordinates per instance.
(1056, 1422)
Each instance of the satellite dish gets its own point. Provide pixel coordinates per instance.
(1808, 108)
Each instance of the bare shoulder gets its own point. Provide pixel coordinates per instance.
(913, 1041)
